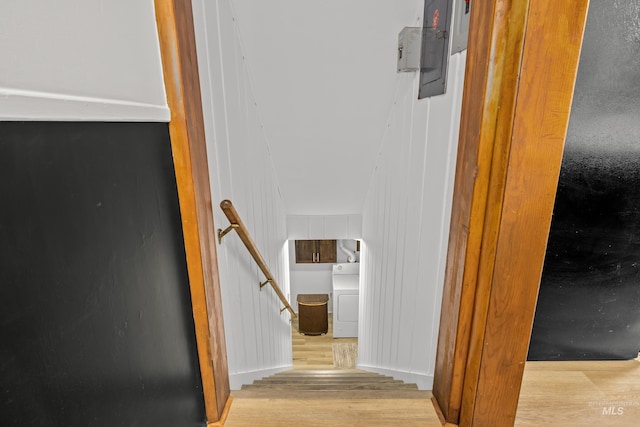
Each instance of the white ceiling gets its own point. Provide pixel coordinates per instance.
(324, 76)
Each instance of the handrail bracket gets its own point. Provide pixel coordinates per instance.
(265, 283)
(222, 233)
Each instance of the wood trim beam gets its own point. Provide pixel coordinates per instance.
(493, 60)
(521, 66)
(545, 92)
(180, 67)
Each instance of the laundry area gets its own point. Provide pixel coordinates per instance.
(325, 283)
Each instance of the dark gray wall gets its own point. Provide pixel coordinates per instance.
(589, 302)
(95, 316)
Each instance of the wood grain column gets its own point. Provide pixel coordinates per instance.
(178, 48)
(521, 65)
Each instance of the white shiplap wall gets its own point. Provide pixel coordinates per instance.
(258, 336)
(405, 231)
(312, 227)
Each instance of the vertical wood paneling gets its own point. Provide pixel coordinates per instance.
(405, 225)
(399, 316)
(258, 335)
(458, 73)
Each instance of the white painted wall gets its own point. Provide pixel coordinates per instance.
(80, 60)
(313, 227)
(324, 74)
(241, 169)
(405, 231)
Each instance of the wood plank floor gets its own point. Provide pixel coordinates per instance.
(328, 409)
(332, 412)
(568, 394)
(576, 394)
(314, 352)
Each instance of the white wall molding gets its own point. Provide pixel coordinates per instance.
(423, 381)
(16, 104)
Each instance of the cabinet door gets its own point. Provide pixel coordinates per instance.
(316, 251)
(305, 251)
(327, 251)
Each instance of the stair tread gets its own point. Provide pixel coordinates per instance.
(333, 386)
(331, 394)
(328, 373)
(327, 380)
(294, 382)
(334, 371)
(314, 376)
(345, 375)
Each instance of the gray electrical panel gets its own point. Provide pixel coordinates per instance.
(409, 49)
(435, 48)
(462, 11)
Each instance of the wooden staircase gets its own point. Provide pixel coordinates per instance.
(317, 384)
(317, 394)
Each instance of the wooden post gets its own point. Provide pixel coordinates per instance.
(521, 66)
(177, 45)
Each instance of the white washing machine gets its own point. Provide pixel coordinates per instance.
(346, 296)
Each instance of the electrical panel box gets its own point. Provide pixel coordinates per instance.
(409, 49)
(435, 48)
(461, 13)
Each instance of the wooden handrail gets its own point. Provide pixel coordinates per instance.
(243, 233)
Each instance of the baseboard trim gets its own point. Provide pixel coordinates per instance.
(236, 381)
(423, 381)
(440, 414)
(223, 417)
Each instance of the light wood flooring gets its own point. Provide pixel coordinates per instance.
(568, 394)
(329, 408)
(576, 394)
(314, 352)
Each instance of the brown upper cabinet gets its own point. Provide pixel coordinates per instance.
(316, 251)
